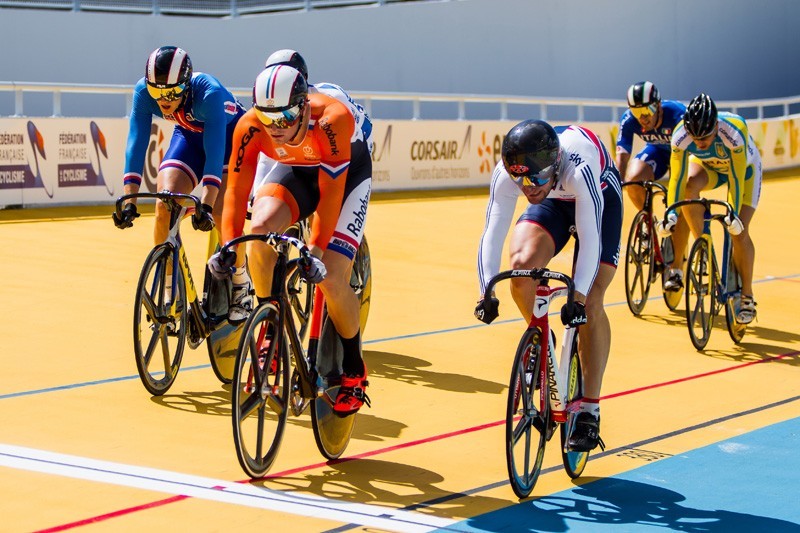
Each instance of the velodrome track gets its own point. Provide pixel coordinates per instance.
(695, 441)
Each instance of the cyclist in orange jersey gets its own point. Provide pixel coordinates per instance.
(323, 166)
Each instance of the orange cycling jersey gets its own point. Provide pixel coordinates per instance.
(326, 145)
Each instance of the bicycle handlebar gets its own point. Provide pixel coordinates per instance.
(648, 185)
(273, 239)
(707, 203)
(169, 198)
(535, 273)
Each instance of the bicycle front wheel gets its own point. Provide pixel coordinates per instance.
(700, 293)
(640, 256)
(574, 462)
(260, 391)
(528, 419)
(159, 322)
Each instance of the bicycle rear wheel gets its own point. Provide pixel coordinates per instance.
(732, 302)
(332, 431)
(361, 281)
(639, 262)
(574, 462)
(528, 422)
(159, 322)
(260, 391)
(701, 285)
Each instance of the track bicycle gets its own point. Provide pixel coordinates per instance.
(542, 392)
(706, 292)
(165, 321)
(646, 256)
(263, 392)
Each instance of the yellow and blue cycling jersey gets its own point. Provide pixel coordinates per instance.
(732, 158)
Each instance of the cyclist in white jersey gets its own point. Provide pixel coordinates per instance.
(572, 186)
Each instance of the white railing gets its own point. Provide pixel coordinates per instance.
(764, 108)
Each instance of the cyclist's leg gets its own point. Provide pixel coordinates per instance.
(699, 179)
(646, 166)
(540, 233)
(286, 195)
(177, 173)
(743, 247)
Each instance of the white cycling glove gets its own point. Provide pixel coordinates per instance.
(734, 224)
(665, 227)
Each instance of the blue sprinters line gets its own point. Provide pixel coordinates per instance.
(373, 341)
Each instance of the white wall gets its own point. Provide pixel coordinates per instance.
(732, 49)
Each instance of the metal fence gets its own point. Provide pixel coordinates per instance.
(397, 105)
(211, 8)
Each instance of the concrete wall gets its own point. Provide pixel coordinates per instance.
(732, 49)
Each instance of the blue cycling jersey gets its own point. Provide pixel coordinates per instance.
(659, 137)
(209, 108)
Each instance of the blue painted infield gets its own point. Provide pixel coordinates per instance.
(745, 484)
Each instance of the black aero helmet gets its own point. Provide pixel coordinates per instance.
(288, 57)
(700, 118)
(168, 66)
(531, 149)
(643, 94)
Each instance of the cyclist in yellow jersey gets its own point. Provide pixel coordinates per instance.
(710, 149)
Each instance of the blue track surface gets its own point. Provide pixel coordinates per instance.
(745, 484)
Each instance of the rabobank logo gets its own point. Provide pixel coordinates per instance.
(441, 149)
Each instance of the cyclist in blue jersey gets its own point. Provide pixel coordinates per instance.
(205, 114)
(653, 120)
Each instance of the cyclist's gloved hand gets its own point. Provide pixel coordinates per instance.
(202, 219)
(487, 310)
(665, 227)
(734, 224)
(221, 264)
(126, 216)
(573, 316)
(312, 269)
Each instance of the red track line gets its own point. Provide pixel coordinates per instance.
(409, 444)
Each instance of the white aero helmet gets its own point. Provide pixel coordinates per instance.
(279, 95)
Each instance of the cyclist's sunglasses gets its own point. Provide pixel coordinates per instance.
(704, 138)
(168, 94)
(285, 118)
(539, 179)
(645, 110)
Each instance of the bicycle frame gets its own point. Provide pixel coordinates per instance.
(556, 369)
(723, 285)
(647, 207)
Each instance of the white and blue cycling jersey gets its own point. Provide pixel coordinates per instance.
(204, 125)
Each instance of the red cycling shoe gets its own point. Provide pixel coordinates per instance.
(351, 395)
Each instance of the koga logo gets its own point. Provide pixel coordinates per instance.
(246, 138)
(436, 150)
(357, 225)
(326, 128)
